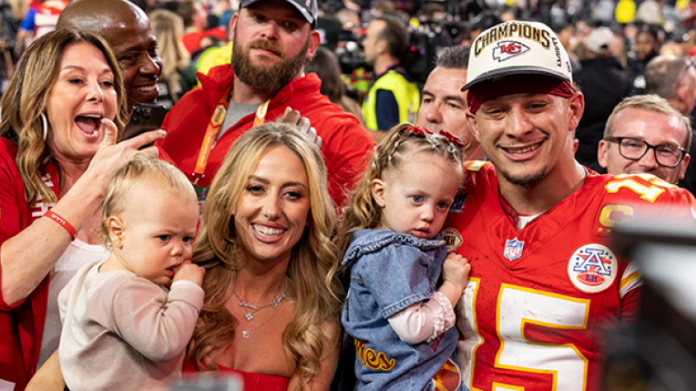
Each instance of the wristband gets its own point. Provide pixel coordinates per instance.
(63, 223)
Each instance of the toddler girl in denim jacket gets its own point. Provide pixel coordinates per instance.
(398, 310)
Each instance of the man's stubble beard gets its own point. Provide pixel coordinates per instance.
(267, 79)
(529, 180)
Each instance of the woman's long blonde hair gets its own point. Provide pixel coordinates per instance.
(168, 28)
(312, 272)
(401, 141)
(27, 96)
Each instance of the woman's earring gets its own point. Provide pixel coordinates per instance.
(44, 125)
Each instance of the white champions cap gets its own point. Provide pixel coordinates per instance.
(517, 47)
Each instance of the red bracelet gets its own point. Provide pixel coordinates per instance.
(63, 223)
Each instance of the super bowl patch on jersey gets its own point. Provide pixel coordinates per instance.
(593, 268)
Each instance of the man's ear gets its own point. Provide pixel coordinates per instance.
(685, 165)
(115, 227)
(233, 25)
(381, 46)
(473, 125)
(577, 108)
(602, 152)
(682, 93)
(314, 41)
(379, 187)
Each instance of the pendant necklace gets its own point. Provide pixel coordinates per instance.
(248, 307)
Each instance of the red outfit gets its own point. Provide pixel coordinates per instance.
(22, 323)
(346, 146)
(537, 299)
(192, 39)
(252, 381)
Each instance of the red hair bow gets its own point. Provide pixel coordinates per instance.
(452, 139)
(419, 131)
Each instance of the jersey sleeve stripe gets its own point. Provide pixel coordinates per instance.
(630, 280)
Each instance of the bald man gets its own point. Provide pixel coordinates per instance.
(127, 29)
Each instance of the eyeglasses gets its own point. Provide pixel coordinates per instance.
(634, 149)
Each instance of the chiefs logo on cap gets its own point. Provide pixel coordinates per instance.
(508, 49)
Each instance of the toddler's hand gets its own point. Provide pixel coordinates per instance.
(189, 272)
(456, 270)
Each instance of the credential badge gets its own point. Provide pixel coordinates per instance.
(513, 249)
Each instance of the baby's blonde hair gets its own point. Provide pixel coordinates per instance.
(140, 170)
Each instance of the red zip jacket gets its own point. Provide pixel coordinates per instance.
(346, 146)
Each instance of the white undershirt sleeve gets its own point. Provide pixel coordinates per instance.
(424, 321)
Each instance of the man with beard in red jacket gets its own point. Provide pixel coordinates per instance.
(273, 39)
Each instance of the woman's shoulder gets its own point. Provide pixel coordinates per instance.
(9, 172)
(7, 149)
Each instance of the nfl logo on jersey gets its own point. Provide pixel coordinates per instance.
(513, 249)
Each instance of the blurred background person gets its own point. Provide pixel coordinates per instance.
(11, 14)
(647, 46)
(178, 73)
(196, 28)
(394, 97)
(40, 19)
(674, 79)
(604, 83)
(325, 65)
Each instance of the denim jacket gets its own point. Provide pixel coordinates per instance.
(390, 272)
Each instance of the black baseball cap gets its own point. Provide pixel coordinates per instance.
(308, 8)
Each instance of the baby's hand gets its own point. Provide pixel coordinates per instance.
(456, 270)
(189, 272)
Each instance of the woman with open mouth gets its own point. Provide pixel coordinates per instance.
(61, 116)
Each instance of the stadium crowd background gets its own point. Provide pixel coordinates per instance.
(630, 32)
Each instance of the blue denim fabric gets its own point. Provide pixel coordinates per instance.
(390, 272)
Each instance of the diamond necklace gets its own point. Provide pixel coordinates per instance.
(249, 316)
(245, 333)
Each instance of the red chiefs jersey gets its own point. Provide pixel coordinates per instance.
(533, 312)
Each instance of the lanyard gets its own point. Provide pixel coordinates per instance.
(214, 128)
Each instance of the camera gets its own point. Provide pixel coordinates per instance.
(141, 116)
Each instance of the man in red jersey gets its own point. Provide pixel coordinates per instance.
(534, 224)
(273, 39)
